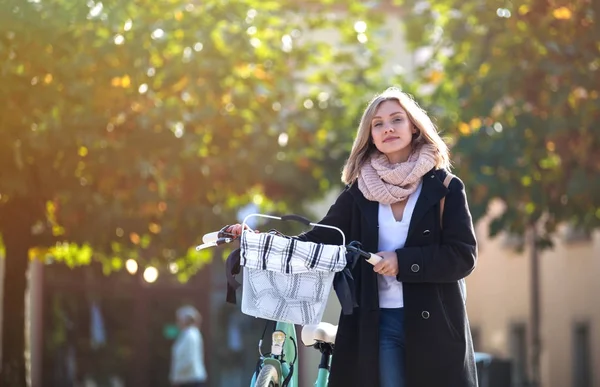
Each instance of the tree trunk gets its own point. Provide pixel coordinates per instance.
(535, 310)
(16, 233)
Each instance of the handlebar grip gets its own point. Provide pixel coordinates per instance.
(296, 218)
(210, 237)
(374, 259)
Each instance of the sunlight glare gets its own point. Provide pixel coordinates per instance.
(150, 274)
(96, 9)
(360, 27)
(283, 139)
(131, 266)
(157, 33)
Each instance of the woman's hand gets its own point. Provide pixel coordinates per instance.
(388, 265)
(236, 229)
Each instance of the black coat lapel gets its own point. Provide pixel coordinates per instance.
(432, 192)
(369, 209)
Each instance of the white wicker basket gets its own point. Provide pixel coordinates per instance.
(297, 299)
(287, 280)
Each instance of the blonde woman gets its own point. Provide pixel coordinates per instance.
(187, 357)
(410, 328)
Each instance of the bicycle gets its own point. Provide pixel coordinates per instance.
(276, 368)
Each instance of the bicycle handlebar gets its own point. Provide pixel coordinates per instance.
(296, 218)
(210, 237)
(220, 237)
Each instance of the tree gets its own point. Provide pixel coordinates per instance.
(128, 129)
(517, 85)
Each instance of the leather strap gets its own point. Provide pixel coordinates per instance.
(447, 181)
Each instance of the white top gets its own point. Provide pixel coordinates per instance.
(187, 357)
(392, 236)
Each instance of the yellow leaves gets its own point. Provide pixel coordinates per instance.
(553, 161)
(83, 151)
(258, 199)
(134, 238)
(154, 228)
(550, 146)
(207, 138)
(178, 15)
(526, 181)
(484, 69)
(58, 230)
(475, 123)
(179, 34)
(472, 126)
(464, 128)
(246, 70)
(321, 136)
(72, 254)
(530, 208)
(123, 81)
(523, 9)
(562, 13)
(48, 79)
(436, 76)
(226, 98)
(51, 209)
(156, 61)
(38, 253)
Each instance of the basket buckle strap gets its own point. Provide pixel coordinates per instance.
(232, 269)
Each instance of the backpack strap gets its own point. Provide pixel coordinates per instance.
(447, 181)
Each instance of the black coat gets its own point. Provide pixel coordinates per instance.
(432, 264)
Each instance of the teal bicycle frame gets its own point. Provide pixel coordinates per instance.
(282, 364)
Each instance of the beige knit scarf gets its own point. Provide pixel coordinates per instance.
(387, 183)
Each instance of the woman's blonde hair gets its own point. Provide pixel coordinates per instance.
(363, 145)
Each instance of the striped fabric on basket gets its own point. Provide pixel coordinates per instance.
(264, 251)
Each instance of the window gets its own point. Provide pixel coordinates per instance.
(518, 354)
(582, 362)
(574, 234)
(513, 241)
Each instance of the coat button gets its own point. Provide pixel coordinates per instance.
(415, 268)
(425, 315)
(432, 176)
(426, 232)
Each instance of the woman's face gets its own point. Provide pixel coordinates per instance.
(392, 131)
(184, 322)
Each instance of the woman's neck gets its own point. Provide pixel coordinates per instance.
(400, 156)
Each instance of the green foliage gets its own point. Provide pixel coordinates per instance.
(131, 128)
(517, 85)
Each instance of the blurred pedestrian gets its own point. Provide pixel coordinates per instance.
(187, 362)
